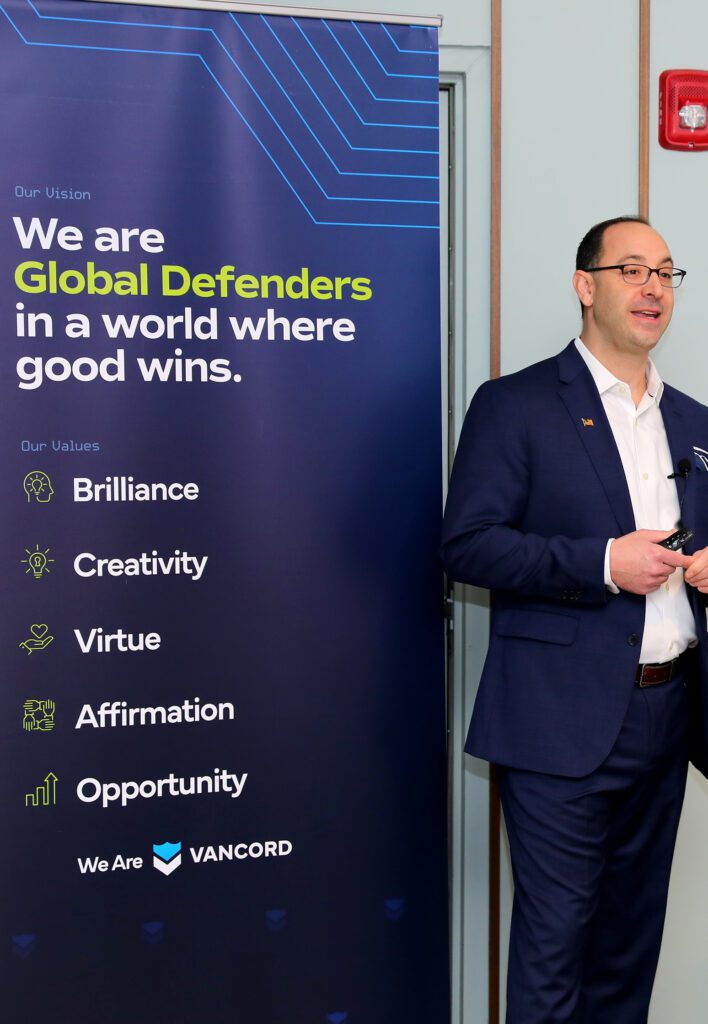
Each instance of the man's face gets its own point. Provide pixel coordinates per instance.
(629, 318)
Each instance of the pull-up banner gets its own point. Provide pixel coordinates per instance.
(222, 703)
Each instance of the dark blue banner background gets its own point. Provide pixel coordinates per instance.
(266, 145)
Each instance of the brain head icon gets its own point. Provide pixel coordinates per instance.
(37, 485)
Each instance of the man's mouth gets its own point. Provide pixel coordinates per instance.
(647, 314)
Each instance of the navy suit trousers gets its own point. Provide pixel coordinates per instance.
(591, 860)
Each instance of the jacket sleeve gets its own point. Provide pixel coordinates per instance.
(483, 541)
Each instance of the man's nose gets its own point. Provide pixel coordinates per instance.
(653, 285)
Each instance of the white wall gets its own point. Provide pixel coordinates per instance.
(569, 156)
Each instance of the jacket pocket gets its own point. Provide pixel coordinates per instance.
(528, 624)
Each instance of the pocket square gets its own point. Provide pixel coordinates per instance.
(700, 457)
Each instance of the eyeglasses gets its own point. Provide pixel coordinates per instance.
(637, 273)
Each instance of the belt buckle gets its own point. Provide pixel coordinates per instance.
(670, 668)
(643, 685)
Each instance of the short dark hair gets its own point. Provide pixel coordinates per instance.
(590, 249)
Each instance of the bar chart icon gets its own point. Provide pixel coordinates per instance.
(44, 795)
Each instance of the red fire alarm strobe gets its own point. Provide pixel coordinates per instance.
(683, 109)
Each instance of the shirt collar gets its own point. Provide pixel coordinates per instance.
(605, 380)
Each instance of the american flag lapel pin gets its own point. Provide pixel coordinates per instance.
(587, 423)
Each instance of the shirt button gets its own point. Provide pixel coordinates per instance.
(645, 476)
(632, 639)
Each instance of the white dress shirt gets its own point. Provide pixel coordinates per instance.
(640, 437)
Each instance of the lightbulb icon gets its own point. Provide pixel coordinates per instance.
(37, 561)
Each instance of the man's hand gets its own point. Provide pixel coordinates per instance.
(697, 575)
(640, 565)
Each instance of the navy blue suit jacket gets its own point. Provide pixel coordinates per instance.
(537, 489)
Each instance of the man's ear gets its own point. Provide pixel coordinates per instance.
(584, 287)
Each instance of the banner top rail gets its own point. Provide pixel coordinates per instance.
(434, 21)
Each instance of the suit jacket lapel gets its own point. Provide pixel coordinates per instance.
(681, 447)
(579, 393)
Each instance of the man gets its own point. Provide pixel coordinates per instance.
(567, 477)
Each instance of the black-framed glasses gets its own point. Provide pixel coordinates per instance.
(637, 273)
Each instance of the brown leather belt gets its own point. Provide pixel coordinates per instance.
(654, 675)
